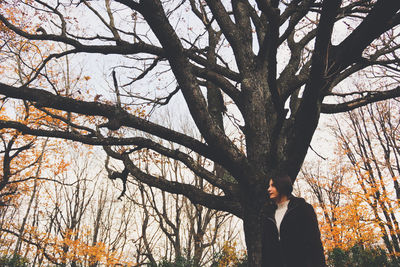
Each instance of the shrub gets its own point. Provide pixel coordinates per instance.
(179, 262)
(230, 257)
(14, 260)
(358, 256)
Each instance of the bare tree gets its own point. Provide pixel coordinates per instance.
(346, 221)
(360, 185)
(80, 225)
(372, 149)
(255, 56)
(191, 232)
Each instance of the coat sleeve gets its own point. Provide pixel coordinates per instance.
(315, 249)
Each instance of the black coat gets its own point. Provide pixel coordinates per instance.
(299, 242)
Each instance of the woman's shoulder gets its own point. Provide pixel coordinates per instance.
(299, 202)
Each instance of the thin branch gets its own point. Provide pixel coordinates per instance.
(195, 195)
(370, 97)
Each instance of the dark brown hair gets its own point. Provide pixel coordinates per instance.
(283, 184)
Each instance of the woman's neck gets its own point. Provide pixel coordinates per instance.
(282, 199)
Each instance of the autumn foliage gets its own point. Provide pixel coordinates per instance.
(357, 192)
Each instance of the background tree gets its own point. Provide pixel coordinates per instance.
(72, 223)
(346, 221)
(190, 232)
(272, 67)
(80, 230)
(57, 227)
(358, 193)
(374, 156)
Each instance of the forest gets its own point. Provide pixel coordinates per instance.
(145, 133)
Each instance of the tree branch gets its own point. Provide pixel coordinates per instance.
(124, 48)
(195, 195)
(154, 14)
(381, 18)
(231, 32)
(140, 142)
(370, 97)
(42, 98)
(307, 116)
(220, 81)
(296, 12)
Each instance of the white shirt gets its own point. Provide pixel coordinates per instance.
(280, 213)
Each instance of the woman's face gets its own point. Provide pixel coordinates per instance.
(272, 191)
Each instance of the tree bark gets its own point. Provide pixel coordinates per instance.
(253, 221)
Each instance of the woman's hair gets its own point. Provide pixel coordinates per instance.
(283, 184)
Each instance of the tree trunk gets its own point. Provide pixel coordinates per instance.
(253, 221)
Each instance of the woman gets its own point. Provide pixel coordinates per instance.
(292, 237)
